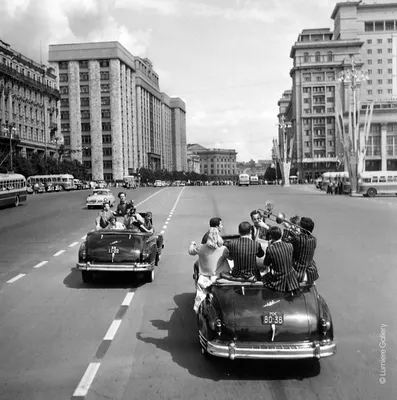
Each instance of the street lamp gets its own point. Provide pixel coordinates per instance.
(352, 141)
(9, 129)
(286, 162)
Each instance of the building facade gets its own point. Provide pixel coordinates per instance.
(363, 32)
(217, 164)
(193, 162)
(111, 109)
(29, 119)
(179, 134)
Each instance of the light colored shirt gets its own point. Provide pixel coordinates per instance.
(211, 261)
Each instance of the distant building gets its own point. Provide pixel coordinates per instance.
(114, 118)
(28, 105)
(193, 162)
(217, 164)
(361, 30)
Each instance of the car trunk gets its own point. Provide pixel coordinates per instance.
(114, 247)
(246, 311)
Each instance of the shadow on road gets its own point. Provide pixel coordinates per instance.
(183, 345)
(104, 280)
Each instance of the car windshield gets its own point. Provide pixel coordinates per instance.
(102, 192)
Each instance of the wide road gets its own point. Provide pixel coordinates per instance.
(120, 338)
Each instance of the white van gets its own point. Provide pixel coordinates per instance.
(243, 179)
(254, 180)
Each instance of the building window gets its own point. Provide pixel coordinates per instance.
(369, 41)
(106, 138)
(105, 101)
(380, 40)
(391, 145)
(85, 114)
(104, 76)
(330, 56)
(105, 113)
(390, 91)
(106, 126)
(66, 140)
(379, 26)
(83, 76)
(306, 58)
(318, 56)
(65, 127)
(64, 114)
(368, 26)
(84, 89)
(63, 65)
(63, 77)
(389, 25)
(370, 72)
(87, 164)
(108, 177)
(380, 81)
(84, 101)
(85, 127)
(105, 87)
(373, 146)
(64, 89)
(380, 61)
(86, 152)
(380, 71)
(390, 51)
(389, 40)
(379, 51)
(83, 64)
(86, 139)
(369, 92)
(369, 82)
(369, 51)
(107, 164)
(104, 63)
(390, 61)
(107, 151)
(369, 62)
(389, 70)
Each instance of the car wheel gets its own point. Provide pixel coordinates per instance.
(87, 276)
(371, 192)
(16, 201)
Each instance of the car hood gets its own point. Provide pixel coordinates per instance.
(98, 197)
(114, 247)
(243, 309)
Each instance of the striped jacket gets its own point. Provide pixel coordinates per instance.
(243, 252)
(304, 248)
(283, 277)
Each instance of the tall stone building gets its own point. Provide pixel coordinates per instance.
(179, 134)
(111, 109)
(368, 33)
(28, 105)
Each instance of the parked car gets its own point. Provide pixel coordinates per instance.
(119, 250)
(98, 196)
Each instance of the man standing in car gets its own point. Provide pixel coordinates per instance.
(102, 220)
(122, 206)
(215, 222)
(243, 252)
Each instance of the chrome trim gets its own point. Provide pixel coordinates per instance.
(114, 267)
(286, 351)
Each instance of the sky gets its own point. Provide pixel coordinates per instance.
(228, 60)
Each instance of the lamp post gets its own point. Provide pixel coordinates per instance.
(9, 129)
(285, 160)
(353, 143)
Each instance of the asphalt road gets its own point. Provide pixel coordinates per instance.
(121, 338)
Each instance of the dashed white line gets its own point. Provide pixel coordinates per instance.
(86, 380)
(110, 334)
(165, 227)
(40, 264)
(167, 222)
(73, 244)
(58, 253)
(168, 218)
(16, 278)
(127, 299)
(84, 237)
(162, 232)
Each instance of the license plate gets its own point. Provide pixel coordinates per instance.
(113, 250)
(273, 317)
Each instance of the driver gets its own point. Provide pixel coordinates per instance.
(102, 220)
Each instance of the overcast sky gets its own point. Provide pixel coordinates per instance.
(227, 59)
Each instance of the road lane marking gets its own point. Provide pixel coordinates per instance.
(166, 222)
(87, 379)
(84, 237)
(162, 232)
(58, 253)
(40, 264)
(154, 194)
(73, 244)
(16, 278)
(127, 300)
(168, 218)
(110, 334)
(165, 227)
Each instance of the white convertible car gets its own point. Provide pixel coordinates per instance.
(98, 196)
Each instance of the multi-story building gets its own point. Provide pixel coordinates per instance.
(363, 32)
(179, 134)
(217, 164)
(193, 162)
(111, 109)
(28, 105)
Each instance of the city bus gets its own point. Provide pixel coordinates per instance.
(243, 179)
(254, 180)
(65, 181)
(12, 189)
(372, 183)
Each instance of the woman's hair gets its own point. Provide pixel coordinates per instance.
(214, 238)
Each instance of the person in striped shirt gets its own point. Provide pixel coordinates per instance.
(304, 244)
(243, 252)
(282, 276)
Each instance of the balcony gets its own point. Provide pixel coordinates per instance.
(29, 81)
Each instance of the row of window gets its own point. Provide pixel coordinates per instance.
(380, 71)
(307, 121)
(380, 81)
(380, 51)
(12, 184)
(86, 127)
(85, 101)
(319, 89)
(320, 143)
(319, 100)
(318, 57)
(381, 179)
(380, 61)
(318, 110)
(85, 76)
(320, 132)
(380, 91)
(106, 151)
(319, 154)
(84, 64)
(86, 139)
(371, 26)
(105, 88)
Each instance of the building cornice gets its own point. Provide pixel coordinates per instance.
(324, 45)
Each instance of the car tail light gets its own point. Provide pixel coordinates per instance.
(83, 252)
(325, 325)
(145, 253)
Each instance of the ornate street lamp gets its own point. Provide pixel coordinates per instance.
(9, 129)
(354, 145)
(286, 158)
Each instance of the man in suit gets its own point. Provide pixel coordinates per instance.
(282, 277)
(243, 252)
(259, 228)
(304, 244)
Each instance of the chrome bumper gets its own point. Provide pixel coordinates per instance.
(114, 267)
(266, 351)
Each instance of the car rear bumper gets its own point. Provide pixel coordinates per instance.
(270, 351)
(114, 267)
